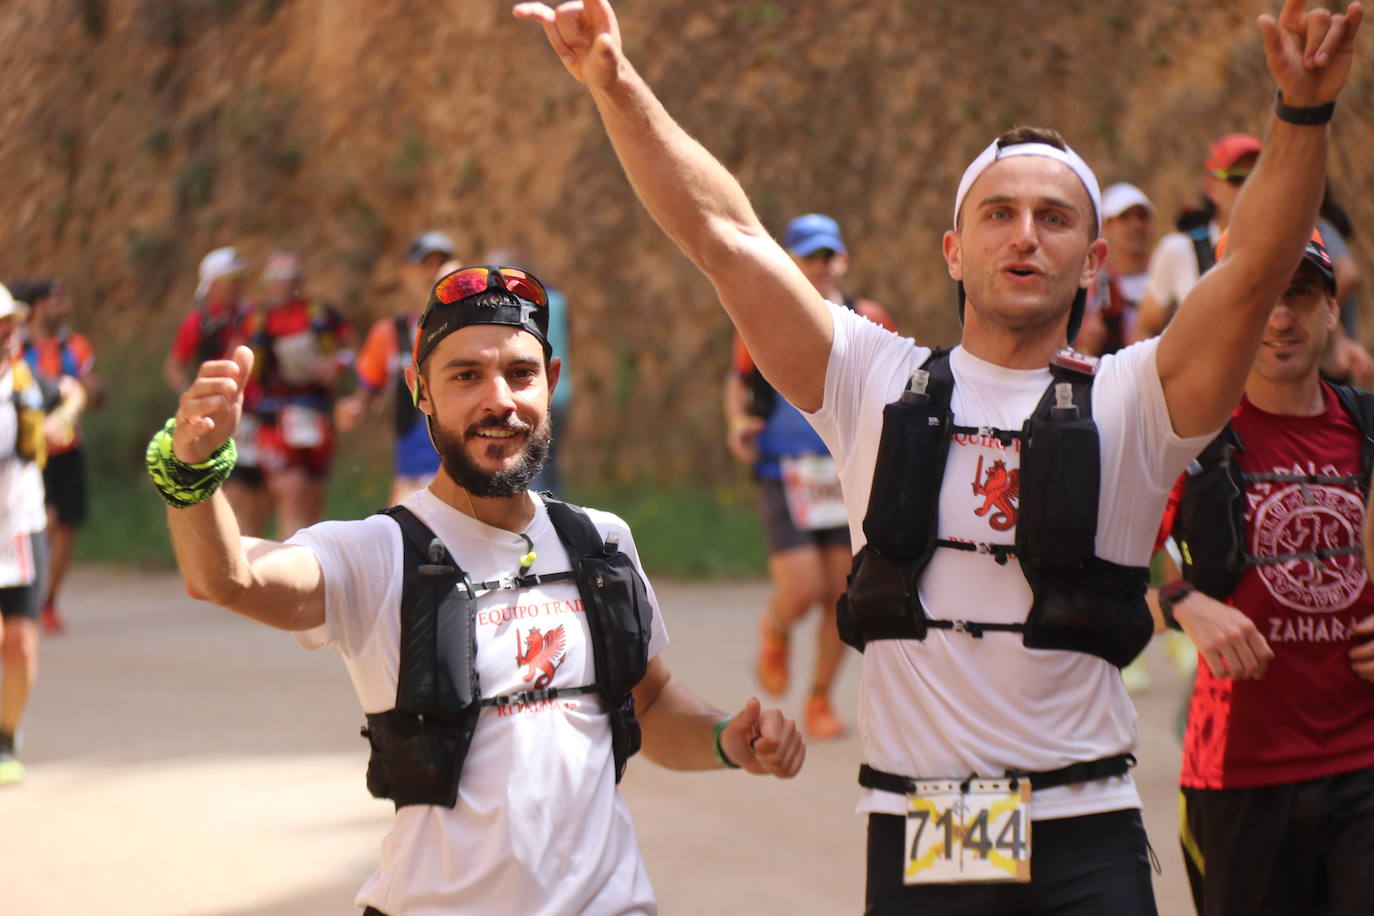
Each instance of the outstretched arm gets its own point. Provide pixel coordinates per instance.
(1206, 352)
(279, 585)
(678, 727)
(699, 204)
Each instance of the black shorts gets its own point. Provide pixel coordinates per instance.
(249, 475)
(25, 600)
(779, 533)
(64, 485)
(1303, 847)
(1091, 865)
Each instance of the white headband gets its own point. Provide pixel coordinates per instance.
(990, 155)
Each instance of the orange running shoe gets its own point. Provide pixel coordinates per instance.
(821, 722)
(772, 662)
(51, 622)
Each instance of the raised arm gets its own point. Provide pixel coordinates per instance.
(1206, 352)
(698, 203)
(279, 585)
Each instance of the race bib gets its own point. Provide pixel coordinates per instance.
(966, 831)
(302, 427)
(812, 486)
(296, 356)
(16, 561)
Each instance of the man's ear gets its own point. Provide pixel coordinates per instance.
(417, 390)
(555, 370)
(953, 260)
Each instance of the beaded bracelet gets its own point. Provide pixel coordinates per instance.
(181, 484)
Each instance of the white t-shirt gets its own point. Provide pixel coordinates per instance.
(1133, 286)
(1173, 267)
(953, 705)
(21, 482)
(539, 827)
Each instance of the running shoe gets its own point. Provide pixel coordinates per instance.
(52, 622)
(1136, 675)
(772, 661)
(820, 721)
(11, 770)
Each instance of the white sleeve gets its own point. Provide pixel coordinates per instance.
(1173, 270)
(1139, 444)
(866, 362)
(360, 561)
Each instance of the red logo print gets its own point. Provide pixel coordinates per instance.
(544, 652)
(1001, 489)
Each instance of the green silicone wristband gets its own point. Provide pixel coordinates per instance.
(720, 751)
(180, 484)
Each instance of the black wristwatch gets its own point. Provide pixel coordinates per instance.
(1172, 594)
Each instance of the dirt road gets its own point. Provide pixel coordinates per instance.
(185, 762)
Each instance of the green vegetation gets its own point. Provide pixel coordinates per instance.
(93, 16)
(195, 183)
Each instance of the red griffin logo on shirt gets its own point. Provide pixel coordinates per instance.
(1001, 489)
(544, 652)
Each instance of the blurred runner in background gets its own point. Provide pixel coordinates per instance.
(53, 350)
(381, 366)
(28, 407)
(302, 348)
(208, 332)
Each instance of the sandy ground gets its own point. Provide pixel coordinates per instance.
(185, 762)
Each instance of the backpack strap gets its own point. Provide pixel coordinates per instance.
(1202, 249)
(437, 678)
(575, 530)
(1359, 404)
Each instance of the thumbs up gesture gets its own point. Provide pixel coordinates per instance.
(209, 411)
(764, 741)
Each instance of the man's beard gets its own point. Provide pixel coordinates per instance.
(483, 484)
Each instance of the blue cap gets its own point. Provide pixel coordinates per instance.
(808, 234)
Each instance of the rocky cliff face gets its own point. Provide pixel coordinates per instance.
(137, 134)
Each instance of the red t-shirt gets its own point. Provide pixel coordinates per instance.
(1310, 715)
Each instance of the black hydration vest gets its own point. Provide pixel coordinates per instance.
(404, 413)
(1079, 602)
(1214, 554)
(419, 746)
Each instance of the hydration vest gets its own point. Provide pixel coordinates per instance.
(1080, 601)
(1214, 554)
(1203, 248)
(404, 412)
(418, 747)
(27, 398)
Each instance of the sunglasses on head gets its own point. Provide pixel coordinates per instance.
(473, 280)
(1233, 176)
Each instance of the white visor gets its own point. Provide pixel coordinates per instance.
(990, 155)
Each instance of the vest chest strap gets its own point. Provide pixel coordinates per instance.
(537, 696)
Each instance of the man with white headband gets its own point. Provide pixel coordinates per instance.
(990, 688)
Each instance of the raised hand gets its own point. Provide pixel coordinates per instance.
(764, 741)
(585, 36)
(1310, 51)
(209, 410)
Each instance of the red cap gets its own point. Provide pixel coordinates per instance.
(1224, 151)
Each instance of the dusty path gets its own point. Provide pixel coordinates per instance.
(184, 762)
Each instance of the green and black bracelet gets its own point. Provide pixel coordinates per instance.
(181, 484)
